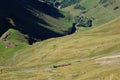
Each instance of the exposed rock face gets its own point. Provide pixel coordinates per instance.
(7, 43)
(5, 36)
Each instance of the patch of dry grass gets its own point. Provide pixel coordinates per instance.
(80, 49)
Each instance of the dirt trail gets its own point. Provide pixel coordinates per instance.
(108, 60)
(34, 69)
(109, 57)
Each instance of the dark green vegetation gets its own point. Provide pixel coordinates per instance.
(66, 3)
(78, 6)
(61, 3)
(83, 21)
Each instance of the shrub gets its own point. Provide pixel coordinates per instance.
(83, 21)
(78, 6)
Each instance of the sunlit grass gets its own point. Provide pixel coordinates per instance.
(81, 49)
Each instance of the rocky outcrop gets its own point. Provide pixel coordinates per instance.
(7, 43)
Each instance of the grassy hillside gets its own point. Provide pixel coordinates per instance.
(92, 55)
(28, 21)
(6, 53)
(99, 12)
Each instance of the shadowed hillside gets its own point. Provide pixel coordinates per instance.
(30, 17)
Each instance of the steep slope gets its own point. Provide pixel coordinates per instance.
(36, 19)
(90, 55)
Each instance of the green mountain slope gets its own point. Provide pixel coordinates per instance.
(100, 11)
(89, 55)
